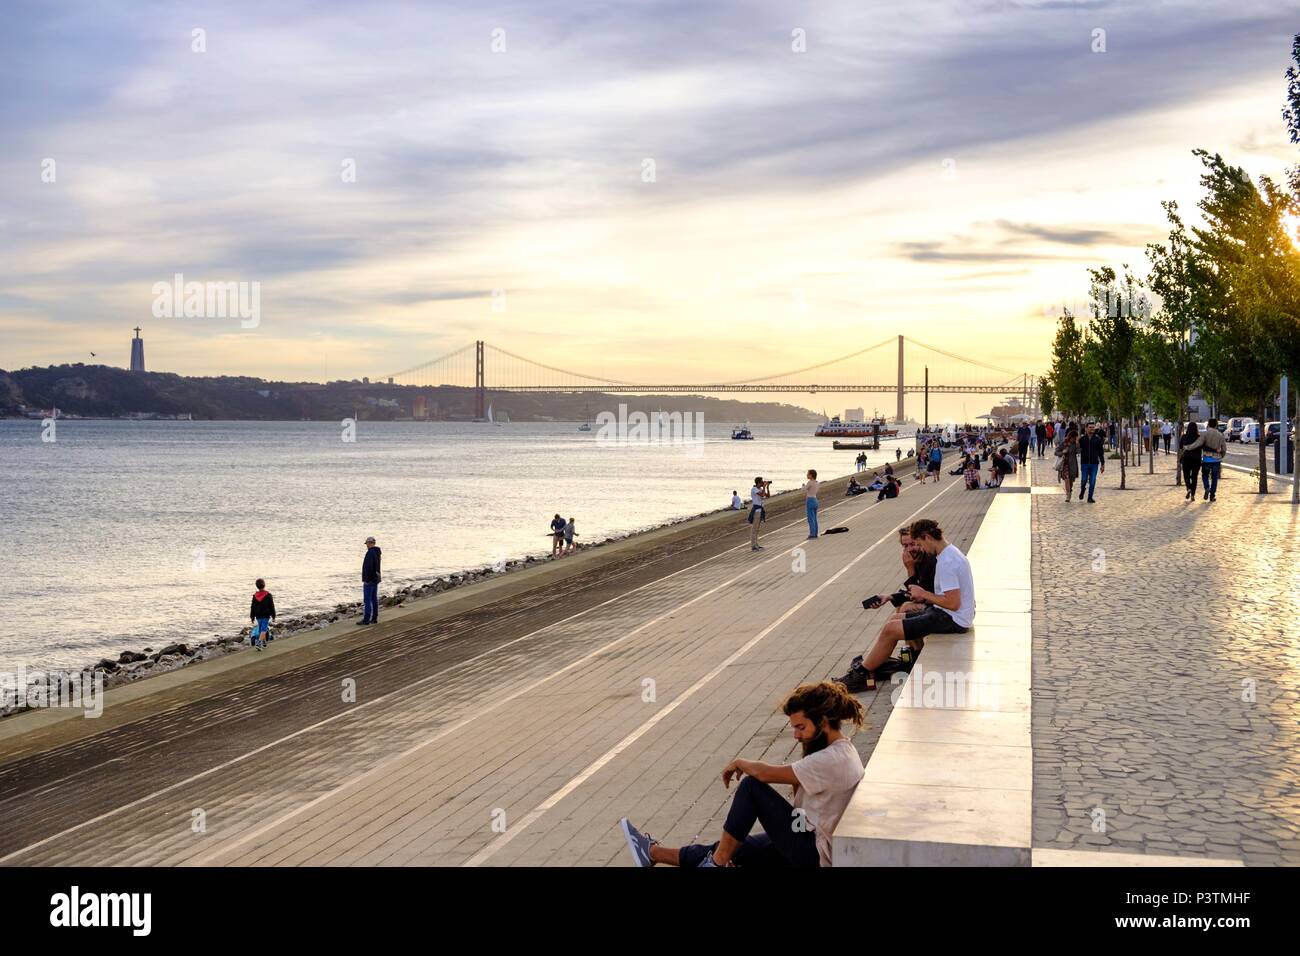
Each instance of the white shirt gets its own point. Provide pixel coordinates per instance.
(756, 496)
(952, 572)
(736, 503)
(827, 780)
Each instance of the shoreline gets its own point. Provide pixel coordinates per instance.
(133, 666)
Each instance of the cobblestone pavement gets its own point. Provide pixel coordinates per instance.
(1167, 670)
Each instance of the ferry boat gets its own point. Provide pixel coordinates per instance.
(742, 434)
(835, 428)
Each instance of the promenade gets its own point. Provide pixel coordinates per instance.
(515, 731)
(515, 722)
(1166, 669)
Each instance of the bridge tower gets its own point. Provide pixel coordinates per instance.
(479, 389)
(898, 416)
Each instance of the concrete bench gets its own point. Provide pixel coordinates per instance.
(950, 780)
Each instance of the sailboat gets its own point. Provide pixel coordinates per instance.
(586, 426)
(490, 418)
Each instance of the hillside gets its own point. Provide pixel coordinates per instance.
(101, 391)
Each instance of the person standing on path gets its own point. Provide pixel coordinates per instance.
(1092, 459)
(898, 454)
(1068, 466)
(557, 535)
(1040, 435)
(1022, 442)
(1167, 433)
(1191, 452)
(261, 613)
(570, 529)
(757, 512)
(370, 578)
(810, 490)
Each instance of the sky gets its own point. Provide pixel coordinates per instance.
(651, 192)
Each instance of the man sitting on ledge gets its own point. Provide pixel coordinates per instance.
(797, 834)
(949, 609)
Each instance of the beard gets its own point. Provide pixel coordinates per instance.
(817, 743)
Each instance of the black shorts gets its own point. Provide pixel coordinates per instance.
(933, 466)
(932, 620)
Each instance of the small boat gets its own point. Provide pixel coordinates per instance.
(742, 434)
(586, 426)
(854, 446)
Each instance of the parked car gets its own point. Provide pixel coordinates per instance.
(1274, 429)
(1235, 427)
(1250, 433)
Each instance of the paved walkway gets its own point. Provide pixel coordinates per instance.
(493, 749)
(1167, 670)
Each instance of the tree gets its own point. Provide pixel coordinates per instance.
(1046, 396)
(1112, 338)
(1169, 349)
(1246, 289)
(1069, 384)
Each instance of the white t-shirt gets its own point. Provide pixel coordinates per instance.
(952, 572)
(827, 780)
(736, 503)
(756, 496)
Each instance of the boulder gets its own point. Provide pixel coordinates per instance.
(106, 665)
(175, 649)
(130, 657)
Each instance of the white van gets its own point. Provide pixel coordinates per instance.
(1250, 432)
(1235, 427)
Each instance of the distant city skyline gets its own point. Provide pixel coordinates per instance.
(642, 191)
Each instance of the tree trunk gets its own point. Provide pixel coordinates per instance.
(1123, 435)
(1263, 446)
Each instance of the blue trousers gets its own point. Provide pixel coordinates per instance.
(811, 506)
(1210, 476)
(780, 843)
(1087, 479)
(370, 601)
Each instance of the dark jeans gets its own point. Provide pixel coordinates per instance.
(1088, 479)
(1210, 476)
(779, 844)
(1166, 438)
(1190, 468)
(370, 601)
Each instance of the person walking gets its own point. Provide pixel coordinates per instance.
(1067, 468)
(898, 454)
(810, 490)
(1022, 442)
(1191, 451)
(370, 578)
(570, 529)
(1092, 459)
(1040, 438)
(1211, 447)
(1167, 434)
(757, 512)
(261, 613)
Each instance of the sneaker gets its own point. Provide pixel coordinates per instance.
(362, 623)
(1092, 501)
(638, 843)
(708, 862)
(858, 679)
(757, 547)
(257, 645)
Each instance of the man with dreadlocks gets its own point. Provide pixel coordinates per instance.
(794, 834)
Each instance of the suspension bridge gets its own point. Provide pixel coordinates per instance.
(485, 367)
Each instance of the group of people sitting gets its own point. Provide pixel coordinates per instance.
(886, 486)
(937, 597)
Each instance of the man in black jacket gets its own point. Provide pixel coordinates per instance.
(1092, 458)
(370, 578)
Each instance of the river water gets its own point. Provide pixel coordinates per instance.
(124, 534)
